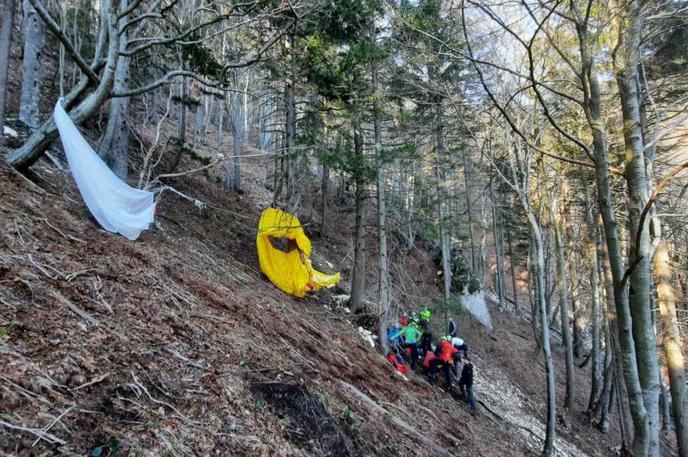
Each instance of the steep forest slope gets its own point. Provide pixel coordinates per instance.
(176, 344)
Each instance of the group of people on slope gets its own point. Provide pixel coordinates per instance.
(411, 345)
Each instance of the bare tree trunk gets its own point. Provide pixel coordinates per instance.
(534, 303)
(292, 197)
(181, 127)
(114, 146)
(626, 61)
(237, 121)
(596, 315)
(641, 436)
(358, 277)
(514, 271)
(40, 140)
(221, 126)
(672, 345)
(235, 182)
(62, 54)
(569, 400)
(323, 201)
(445, 239)
(198, 120)
(210, 101)
(578, 328)
(539, 262)
(664, 399)
(290, 175)
(33, 30)
(499, 250)
(384, 291)
(467, 174)
(602, 408)
(6, 26)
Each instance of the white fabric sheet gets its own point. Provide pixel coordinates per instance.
(477, 306)
(118, 207)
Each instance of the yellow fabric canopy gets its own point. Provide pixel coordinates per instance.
(284, 251)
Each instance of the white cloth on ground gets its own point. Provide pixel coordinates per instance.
(118, 207)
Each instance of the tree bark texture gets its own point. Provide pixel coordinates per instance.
(539, 264)
(237, 120)
(444, 234)
(384, 286)
(34, 31)
(114, 146)
(358, 277)
(596, 315)
(565, 325)
(626, 63)
(672, 345)
(6, 26)
(626, 343)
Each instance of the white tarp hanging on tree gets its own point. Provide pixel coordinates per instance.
(477, 306)
(118, 207)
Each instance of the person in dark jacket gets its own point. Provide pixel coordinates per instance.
(452, 328)
(466, 382)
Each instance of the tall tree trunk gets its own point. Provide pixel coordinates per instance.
(467, 174)
(445, 238)
(290, 175)
(514, 271)
(221, 126)
(33, 29)
(358, 277)
(210, 108)
(534, 303)
(62, 54)
(539, 263)
(616, 374)
(235, 181)
(672, 345)
(6, 26)
(565, 324)
(323, 200)
(664, 399)
(236, 117)
(384, 287)
(499, 250)
(626, 62)
(114, 146)
(198, 119)
(596, 315)
(578, 328)
(181, 127)
(602, 407)
(641, 437)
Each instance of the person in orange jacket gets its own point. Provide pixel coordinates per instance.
(445, 356)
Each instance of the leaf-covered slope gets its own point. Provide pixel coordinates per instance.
(176, 345)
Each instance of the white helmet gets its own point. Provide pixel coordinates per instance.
(456, 341)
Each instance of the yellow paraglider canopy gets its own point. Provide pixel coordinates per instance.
(284, 251)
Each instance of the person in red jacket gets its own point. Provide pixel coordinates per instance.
(445, 355)
(429, 357)
(396, 363)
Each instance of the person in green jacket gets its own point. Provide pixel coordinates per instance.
(412, 334)
(426, 329)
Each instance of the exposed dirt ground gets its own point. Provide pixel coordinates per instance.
(176, 345)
